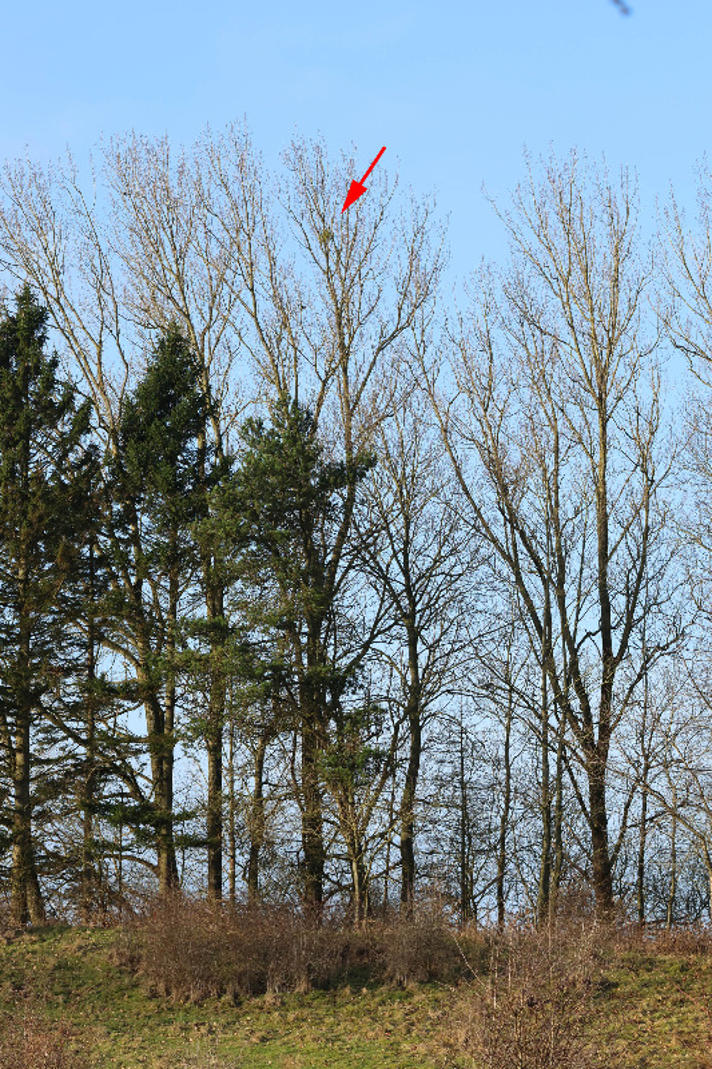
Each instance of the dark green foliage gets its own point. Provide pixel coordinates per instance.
(158, 467)
(46, 473)
(355, 757)
(157, 495)
(45, 466)
(285, 506)
(288, 511)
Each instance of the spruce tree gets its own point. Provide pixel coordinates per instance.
(285, 503)
(45, 470)
(97, 757)
(157, 496)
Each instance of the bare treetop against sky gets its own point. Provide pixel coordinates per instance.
(454, 89)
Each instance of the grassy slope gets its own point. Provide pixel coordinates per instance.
(659, 1013)
(654, 1014)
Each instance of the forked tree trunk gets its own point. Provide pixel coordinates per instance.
(360, 888)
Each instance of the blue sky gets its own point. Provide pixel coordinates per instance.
(454, 89)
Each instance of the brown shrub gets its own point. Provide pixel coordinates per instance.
(683, 941)
(531, 1010)
(5, 916)
(193, 950)
(425, 948)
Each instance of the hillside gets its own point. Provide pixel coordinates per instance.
(81, 1007)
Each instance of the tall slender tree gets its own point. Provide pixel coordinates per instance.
(420, 558)
(156, 490)
(553, 433)
(285, 502)
(45, 472)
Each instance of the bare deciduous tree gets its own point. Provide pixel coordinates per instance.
(552, 430)
(422, 557)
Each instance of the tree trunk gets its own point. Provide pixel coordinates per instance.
(389, 841)
(165, 846)
(407, 807)
(504, 817)
(465, 897)
(707, 858)
(672, 886)
(216, 708)
(214, 592)
(87, 802)
(406, 845)
(359, 878)
(598, 822)
(645, 772)
(159, 721)
(598, 758)
(558, 865)
(88, 878)
(642, 840)
(167, 865)
(25, 898)
(312, 704)
(312, 829)
(544, 889)
(231, 818)
(214, 822)
(257, 820)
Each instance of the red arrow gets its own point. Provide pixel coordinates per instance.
(357, 188)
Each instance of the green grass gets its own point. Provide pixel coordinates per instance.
(71, 976)
(654, 1011)
(658, 1013)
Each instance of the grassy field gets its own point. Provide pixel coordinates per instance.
(652, 1011)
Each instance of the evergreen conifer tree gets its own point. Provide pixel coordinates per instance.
(45, 471)
(285, 502)
(157, 495)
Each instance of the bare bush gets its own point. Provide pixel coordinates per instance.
(532, 1009)
(195, 950)
(426, 948)
(691, 940)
